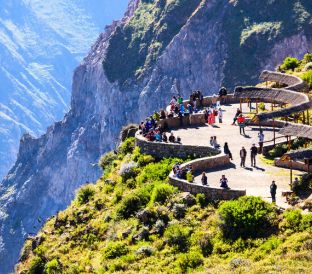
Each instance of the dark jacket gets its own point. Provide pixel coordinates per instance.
(273, 188)
(253, 150)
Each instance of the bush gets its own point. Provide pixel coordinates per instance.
(190, 261)
(204, 241)
(307, 58)
(145, 251)
(144, 160)
(107, 160)
(36, 266)
(278, 151)
(128, 171)
(85, 194)
(131, 203)
(52, 267)
(202, 200)
(178, 237)
(247, 217)
(161, 193)
(115, 250)
(127, 146)
(307, 76)
(261, 106)
(290, 63)
(291, 220)
(308, 66)
(306, 222)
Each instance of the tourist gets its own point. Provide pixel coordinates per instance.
(158, 136)
(261, 140)
(222, 92)
(215, 143)
(211, 141)
(238, 113)
(164, 137)
(173, 100)
(182, 109)
(204, 179)
(206, 114)
(220, 115)
(201, 98)
(224, 182)
(243, 154)
(171, 138)
(190, 108)
(273, 188)
(211, 118)
(227, 151)
(163, 114)
(241, 120)
(253, 154)
(180, 100)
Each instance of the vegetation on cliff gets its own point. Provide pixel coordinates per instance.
(145, 36)
(131, 220)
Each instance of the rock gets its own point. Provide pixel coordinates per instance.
(142, 234)
(186, 198)
(146, 216)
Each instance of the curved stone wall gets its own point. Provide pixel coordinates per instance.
(167, 150)
(212, 193)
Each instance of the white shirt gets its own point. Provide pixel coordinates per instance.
(261, 137)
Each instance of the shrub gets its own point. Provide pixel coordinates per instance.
(307, 76)
(145, 251)
(202, 200)
(161, 193)
(204, 241)
(131, 203)
(291, 220)
(85, 194)
(127, 146)
(308, 66)
(290, 63)
(278, 151)
(128, 170)
(307, 58)
(261, 106)
(247, 217)
(107, 160)
(36, 266)
(115, 250)
(179, 211)
(52, 267)
(306, 222)
(178, 237)
(144, 160)
(190, 261)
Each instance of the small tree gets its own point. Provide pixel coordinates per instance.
(290, 63)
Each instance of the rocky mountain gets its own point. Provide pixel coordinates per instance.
(158, 49)
(40, 45)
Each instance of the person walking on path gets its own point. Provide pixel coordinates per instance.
(227, 151)
(241, 120)
(204, 179)
(253, 154)
(224, 182)
(220, 115)
(238, 112)
(273, 188)
(243, 154)
(261, 140)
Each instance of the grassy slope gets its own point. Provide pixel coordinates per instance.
(99, 232)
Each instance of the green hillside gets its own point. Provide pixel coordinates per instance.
(132, 221)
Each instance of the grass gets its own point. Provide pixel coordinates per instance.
(92, 237)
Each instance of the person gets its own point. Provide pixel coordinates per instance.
(242, 123)
(220, 115)
(211, 118)
(164, 137)
(163, 114)
(204, 179)
(215, 143)
(180, 100)
(171, 138)
(253, 154)
(243, 154)
(294, 184)
(211, 141)
(227, 150)
(190, 108)
(261, 140)
(173, 100)
(273, 188)
(224, 182)
(158, 136)
(238, 112)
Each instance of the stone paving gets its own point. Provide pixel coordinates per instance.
(256, 180)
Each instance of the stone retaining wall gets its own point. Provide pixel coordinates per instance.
(295, 165)
(212, 193)
(166, 150)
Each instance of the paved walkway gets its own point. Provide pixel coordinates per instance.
(256, 180)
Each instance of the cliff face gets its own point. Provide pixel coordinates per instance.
(214, 42)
